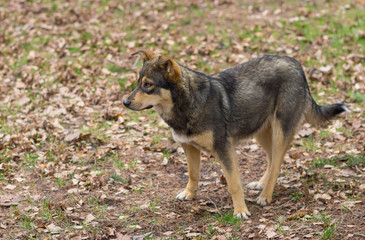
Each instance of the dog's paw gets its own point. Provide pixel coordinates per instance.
(263, 201)
(185, 195)
(255, 185)
(242, 215)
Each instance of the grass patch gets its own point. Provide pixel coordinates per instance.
(329, 227)
(357, 96)
(350, 161)
(31, 159)
(27, 223)
(297, 196)
(227, 219)
(117, 69)
(310, 144)
(122, 82)
(119, 162)
(320, 162)
(117, 178)
(98, 130)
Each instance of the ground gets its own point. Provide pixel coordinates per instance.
(75, 164)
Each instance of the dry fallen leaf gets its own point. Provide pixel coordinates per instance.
(89, 218)
(362, 187)
(10, 187)
(165, 161)
(323, 197)
(10, 200)
(192, 234)
(73, 136)
(298, 214)
(121, 236)
(53, 229)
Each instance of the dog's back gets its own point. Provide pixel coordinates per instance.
(271, 87)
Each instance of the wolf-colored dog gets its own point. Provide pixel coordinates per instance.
(266, 98)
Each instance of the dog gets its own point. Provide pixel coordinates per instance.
(267, 98)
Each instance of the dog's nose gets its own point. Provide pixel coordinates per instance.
(127, 102)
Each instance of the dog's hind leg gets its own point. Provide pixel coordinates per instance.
(280, 145)
(193, 158)
(264, 138)
(229, 164)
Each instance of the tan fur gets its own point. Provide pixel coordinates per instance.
(193, 158)
(234, 184)
(202, 141)
(171, 67)
(205, 140)
(264, 138)
(279, 147)
(163, 103)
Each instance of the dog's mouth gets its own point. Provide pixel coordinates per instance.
(136, 109)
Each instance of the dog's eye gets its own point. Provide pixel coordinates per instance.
(147, 85)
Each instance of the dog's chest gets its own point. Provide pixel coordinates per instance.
(203, 141)
(182, 138)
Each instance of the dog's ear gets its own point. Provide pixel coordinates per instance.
(145, 54)
(171, 68)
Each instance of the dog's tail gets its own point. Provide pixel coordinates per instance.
(318, 115)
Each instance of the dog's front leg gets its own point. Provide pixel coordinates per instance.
(193, 158)
(231, 172)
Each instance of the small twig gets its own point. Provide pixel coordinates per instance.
(359, 234)
(142, 236)
(211, 201)
(283, 204)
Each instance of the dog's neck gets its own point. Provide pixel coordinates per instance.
(188, 97)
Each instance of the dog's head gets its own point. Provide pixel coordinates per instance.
(155, 79)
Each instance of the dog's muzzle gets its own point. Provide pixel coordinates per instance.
(127, 102)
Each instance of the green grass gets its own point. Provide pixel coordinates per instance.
(227, 219)
(61, 182)
(117, 178)
(320, 162)
(279, 226)
(323, 134)
(310, 144)
(350, 160)
(98, 130)
(46, 211)
(27, 223)
(357, 96)
(122, 82)
(117, 69)
(96, 205)
(119, 162)
(31, 159)
(297, 196)
(329, 227)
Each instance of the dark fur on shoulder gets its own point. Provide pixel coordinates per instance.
(267, 98)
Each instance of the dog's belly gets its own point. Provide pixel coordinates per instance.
(203, 141)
